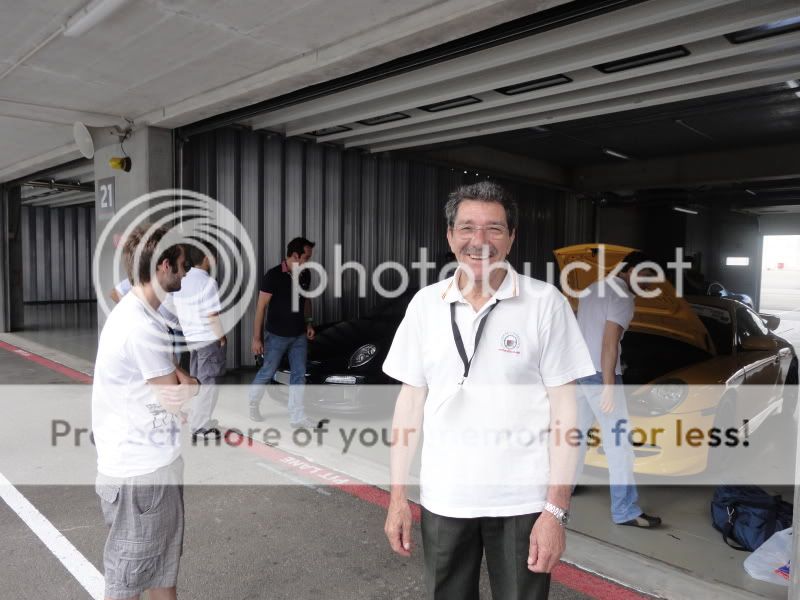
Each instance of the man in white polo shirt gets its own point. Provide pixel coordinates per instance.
(198, 307)
(487, 360)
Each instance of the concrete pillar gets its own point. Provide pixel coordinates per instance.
(151, 153)
(12, 308)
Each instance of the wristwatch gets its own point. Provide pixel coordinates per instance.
(561, 515)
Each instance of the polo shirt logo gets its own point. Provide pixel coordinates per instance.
(510, 343)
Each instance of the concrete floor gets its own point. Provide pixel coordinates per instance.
(688, 541)
(267, 541)
(71, 328)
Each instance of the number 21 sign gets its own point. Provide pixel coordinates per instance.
(105, 196)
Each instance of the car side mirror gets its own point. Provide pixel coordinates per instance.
(759, 343)
(771, 321)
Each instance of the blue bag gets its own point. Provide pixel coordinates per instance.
(747, 515)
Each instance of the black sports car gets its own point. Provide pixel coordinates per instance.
(345, 360)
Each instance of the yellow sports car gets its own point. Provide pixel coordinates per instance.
(685, 361)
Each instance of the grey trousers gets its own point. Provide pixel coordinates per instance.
(207, 363)
(454, 548)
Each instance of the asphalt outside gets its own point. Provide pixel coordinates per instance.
(268, 541)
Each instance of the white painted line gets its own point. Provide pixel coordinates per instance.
(85, 572)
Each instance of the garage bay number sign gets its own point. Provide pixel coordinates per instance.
(104, 197)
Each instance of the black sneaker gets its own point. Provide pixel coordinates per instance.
(255, 412)
(644, 521)
(304, 423)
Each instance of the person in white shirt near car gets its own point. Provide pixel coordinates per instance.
(198, 307)
(604, 314)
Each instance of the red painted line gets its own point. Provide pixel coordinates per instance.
(564, 574)
(45, 362)
(567, 575)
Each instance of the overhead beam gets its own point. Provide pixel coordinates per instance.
(52, 158)
(686, 92)
(58, 116)
(711, 73)
(704, 30)
(482, 158)
(619, 21)
(745, 164)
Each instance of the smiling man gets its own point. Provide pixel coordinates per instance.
(487, 359)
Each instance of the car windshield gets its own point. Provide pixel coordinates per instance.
(719, 325)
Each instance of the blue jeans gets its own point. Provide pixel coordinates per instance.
(617, 447)
(275, 346)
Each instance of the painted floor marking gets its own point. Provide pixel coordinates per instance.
(91, 579)
(85, 572)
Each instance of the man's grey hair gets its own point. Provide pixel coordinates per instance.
(483, 191)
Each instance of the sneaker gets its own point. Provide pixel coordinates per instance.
(255, 412)
(643, 520)
(304, 423)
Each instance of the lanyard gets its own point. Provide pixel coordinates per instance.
(460, 343)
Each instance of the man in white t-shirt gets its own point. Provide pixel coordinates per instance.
(604, 314)
(138, 397)
(487, 360)
(166, 309)
(198, 307)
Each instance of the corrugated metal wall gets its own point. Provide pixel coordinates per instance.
(57, 248)
(378, 208)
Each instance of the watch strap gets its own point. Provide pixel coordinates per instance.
(561, 515)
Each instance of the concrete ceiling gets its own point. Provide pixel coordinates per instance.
(573, 71)
(173, 62)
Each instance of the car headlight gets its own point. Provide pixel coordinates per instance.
(665, 395)
(363, 355)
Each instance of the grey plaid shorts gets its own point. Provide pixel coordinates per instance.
(145, 540)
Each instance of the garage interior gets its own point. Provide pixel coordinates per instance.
(651, 124)
(682, 134)
(57, 232)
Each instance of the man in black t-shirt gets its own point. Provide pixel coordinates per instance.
(287, 331)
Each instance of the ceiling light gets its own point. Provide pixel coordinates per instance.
(764, 31)
(616, 154)
(793, 84)
(751, 192)
(397, 116)
(329, 130)
(688, 211)
(90, 15)
(641, 60)
(797, 94)
(536, 84)
(448, 104)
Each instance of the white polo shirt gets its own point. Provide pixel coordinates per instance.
(485, 447)
(604, 302)
(194, 302)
